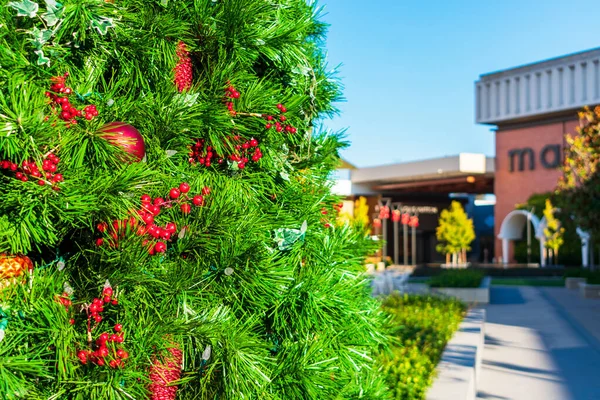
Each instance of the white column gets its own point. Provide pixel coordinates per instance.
(542, 252)
(585, 253)
(585, 247)
(505, 247)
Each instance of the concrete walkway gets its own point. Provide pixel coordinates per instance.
(540, 343)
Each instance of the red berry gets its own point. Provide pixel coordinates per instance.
(113, 338)
(121, 353)
(283, 109)
(154, 209)
(279, 106)
(120, 339)
(206, 190)
(99, 242)
(158, 201)
(241, 165)
(118, 328)
(41, 182)
(72, 321)
(108, 291)
(94, 308)
(148, 218)
(268, 126)
(107, 299)
(282, 118)
(174, 193)
(186, 208)
(253, 142)
(103, 338)
(146, 198)
(114, 302)
(98, 318)
(82, 355)
(100, 362)
(184, 187)
(113, 364)
(171, 227)
(198, 200)
(160, 247)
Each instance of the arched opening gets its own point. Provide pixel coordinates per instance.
(512, 228)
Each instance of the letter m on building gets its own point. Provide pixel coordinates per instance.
(520, 155)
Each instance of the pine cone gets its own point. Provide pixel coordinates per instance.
(164, 372)
(183, 69)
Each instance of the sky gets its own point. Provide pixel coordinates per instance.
(409, 67)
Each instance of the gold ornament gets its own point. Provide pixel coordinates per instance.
(13, 266)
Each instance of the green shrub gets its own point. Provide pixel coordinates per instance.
(457, 278)
(592, 277)
(422, 327)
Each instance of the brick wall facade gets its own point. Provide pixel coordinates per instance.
(516, 186)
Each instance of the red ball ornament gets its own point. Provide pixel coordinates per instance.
(126, 137)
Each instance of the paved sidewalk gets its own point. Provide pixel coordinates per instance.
(536, 348)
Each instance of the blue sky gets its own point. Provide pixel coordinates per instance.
(408, 67)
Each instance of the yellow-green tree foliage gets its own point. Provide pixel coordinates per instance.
(455, 231)
(580, 183)
(553, 231)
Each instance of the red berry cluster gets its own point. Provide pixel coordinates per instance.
(230, 94)
(279, 122)
(240, 150)
(97, 307)
(156, 236)
(183, 68)
(107, 348)
(336, 207)
(67, 112)
(164, 373)
(65, 300)
(31, 169)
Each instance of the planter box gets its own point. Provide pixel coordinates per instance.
(459, 369)
(589, 291)
(479, 295)
(573, 283)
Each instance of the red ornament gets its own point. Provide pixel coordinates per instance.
(183, 69)
(163, 372)
(405, 219)
(126, 137)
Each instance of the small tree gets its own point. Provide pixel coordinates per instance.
(580, 183)
(553, 232)
(455, 233)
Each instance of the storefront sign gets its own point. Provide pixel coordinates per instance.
(550, 157)
(419, 210)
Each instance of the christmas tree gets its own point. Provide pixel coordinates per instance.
(166, 224)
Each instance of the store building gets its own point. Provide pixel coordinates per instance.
(424, 189)
(530, 109)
